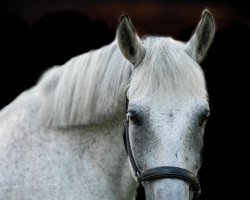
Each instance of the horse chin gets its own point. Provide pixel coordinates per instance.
(170, 189)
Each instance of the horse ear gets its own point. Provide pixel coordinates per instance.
(129, 42)
(202, 38)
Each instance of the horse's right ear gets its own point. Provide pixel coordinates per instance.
(129, 42)
(202, 38)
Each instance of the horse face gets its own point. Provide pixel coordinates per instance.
(168, 106)
(167, 132)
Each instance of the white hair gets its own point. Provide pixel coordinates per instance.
(167, 69)
(91, 88)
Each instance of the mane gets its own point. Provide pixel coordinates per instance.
(168, 70)
(88, 89)
(91, 88)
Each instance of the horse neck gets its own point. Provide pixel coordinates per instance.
(86, 98)
(103, 158)
(89, 89)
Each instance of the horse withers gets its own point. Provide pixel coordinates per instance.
(63, 138)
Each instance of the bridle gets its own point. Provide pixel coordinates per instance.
(160, 172)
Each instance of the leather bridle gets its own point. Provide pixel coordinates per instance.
(160, 172)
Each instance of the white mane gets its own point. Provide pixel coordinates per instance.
(167, 69)
(91, 88)
(87, 89)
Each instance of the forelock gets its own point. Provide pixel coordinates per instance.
(167, 69)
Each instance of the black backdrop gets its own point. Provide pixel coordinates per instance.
(27, 49)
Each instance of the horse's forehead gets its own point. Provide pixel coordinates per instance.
(166, 68)
(162, 105)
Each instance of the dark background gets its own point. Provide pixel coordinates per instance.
(37, 34)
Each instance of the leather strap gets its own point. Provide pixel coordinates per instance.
(128, 148)
(171, 172)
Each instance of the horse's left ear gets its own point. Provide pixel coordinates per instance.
(129, 42)
(202, 38)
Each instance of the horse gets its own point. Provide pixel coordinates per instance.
(64, 137)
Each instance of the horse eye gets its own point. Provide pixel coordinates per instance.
(204, 117)
(133, 118)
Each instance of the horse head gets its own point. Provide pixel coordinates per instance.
(167, 106)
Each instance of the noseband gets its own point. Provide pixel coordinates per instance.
(160, 172)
